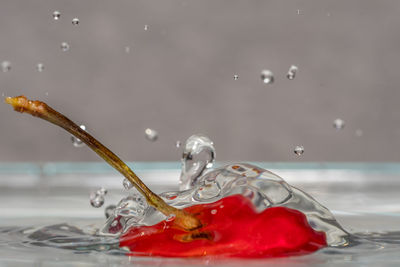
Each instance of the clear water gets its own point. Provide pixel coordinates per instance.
(46, 218)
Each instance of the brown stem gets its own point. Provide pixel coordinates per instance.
(40, 109)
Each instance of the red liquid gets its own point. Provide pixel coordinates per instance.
(231, 228)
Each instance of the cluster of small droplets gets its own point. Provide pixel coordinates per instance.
(151, 135)
(64, 46)
(299, 150)
(75, 21)
(6, 66)
(40, 67)
(56, 15)
(338, 124)
(127, 184)
(292, 72)
(97, 197)
(267, 76)
(76, 141)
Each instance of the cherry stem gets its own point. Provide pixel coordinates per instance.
(40, 109)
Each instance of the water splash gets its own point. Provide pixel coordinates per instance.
(198, 156)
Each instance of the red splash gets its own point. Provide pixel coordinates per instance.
(232, 228)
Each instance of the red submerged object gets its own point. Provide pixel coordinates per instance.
(231, 228)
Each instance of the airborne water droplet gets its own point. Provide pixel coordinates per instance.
(40, 67)
(96, 200)
(236, 77)
(127, 184)
(76, 141)
(127, 49)
(56, 15)
(6, 66)
(151, 135)
(338, 124)
(75, 21)
(267, 76)
(299, 150)
(64, 46)
(178, 144)
(359, 132)
(146, 27)
(292, 72)
(102, 191)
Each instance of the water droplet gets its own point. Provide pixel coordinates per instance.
(127, 184)
(267, 76)
(76, 141)
(102, 191)
(178, 144)
(64, 46)
(298, 11)
(109, 211)
(75, 21)
(56, 15)
(146, 27)
(127, 49)
(236, 77)
(299, 150)
(3, 94)
(40, 67)
(47, 93)
(151, 135)
(6, 66)
(96, 200)
(214, 211)
(338, 124)
(292, 72)
(359, 133)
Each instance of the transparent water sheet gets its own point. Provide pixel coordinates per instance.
(362, 196)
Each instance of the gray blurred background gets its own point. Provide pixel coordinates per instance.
(178, 77)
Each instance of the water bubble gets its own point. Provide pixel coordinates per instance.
(127, 49)
(40, 67)
(56, 15)
(109, 210)
(127, 184)
(178, 144)
(75, 21)
(76, 141)
(64, 46)
(96, 200)
(338, 124)
(236, 77)
(299, 150)
(267, 76)
(6, 66)
(359, 133)
(151, 135)
(292, 72)
(146, 27)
